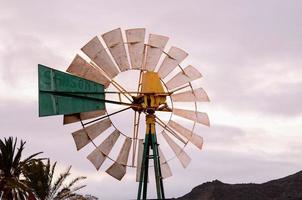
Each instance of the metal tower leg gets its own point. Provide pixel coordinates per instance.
(144, 170)
(150, 142)
(157, 169)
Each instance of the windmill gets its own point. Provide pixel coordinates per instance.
(81, 95)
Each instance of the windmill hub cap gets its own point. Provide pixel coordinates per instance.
(152, 95)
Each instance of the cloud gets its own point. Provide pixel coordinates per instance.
(19, 59)
(274, 98)
(248, 52)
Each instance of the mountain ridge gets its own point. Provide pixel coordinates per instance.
(286, 188)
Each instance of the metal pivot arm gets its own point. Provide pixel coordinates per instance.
(150, 142)
(85, 96)
(135, 133)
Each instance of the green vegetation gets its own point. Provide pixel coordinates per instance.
(33, 178)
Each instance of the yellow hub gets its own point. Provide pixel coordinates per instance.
(152, 94)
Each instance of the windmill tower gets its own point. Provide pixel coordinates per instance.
(81, 95)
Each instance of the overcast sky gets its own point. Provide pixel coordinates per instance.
(249, 53)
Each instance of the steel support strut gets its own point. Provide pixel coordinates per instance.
(150, 142)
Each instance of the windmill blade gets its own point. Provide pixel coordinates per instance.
(199, 117)
(115, 43)
(82, 116)
(98, 54)
(173, 59)
(187, 75)
(83, 136)
(136, 46)
(167, 128)
(118, 169)
(165, 168)
(192, 137)
(82, 68)
(139, 159)
(98, 156)
(191, 96)
(181, 155)
(156, 45)
(124, 153)
(109, 142)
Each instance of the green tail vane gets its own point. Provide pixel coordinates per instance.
(63, 93)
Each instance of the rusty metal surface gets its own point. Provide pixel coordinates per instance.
(98, 54)
(136, 46)
(181, 155)
(199, 117)
(187, 75)
(173, 58)
(83, 136)
(115, 43)
(156, 45)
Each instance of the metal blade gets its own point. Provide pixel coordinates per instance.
(173, 59)
(82, 116)
(98, 54)
(192, 137)
(189, 74)
(109, 142)
(83, 136)
(182, 156)
(136, 46)
(115, 43)
(124, 153)
(164, 166)
(199, 117)
(98, 156)
(156, 45)
(139, 159)
(191, 96)
(167, 128)
(82, 68)
(118, 169)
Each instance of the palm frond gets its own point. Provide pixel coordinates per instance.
(58, 183)
(16, 158)
(78, 188)
(29, 158)
(52, 171)
(76, 180)
(38, 178)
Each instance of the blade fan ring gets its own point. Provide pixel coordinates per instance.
(159, 133)
(107, 49)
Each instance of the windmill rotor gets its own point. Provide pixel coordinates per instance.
(82, 96)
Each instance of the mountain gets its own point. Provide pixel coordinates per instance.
(287, 188)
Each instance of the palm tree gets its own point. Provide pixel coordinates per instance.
(11, 168)
(40, 178)
(83, 197)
